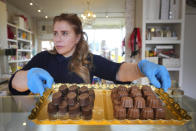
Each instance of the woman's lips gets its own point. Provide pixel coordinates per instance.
(58, 46)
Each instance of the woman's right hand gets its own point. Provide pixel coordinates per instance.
(38, 79)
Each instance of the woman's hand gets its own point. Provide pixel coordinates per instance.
(38, 79)
(157, 74)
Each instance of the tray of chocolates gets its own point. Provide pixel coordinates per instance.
(107, 104)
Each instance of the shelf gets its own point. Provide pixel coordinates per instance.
(24, 50)
(12, 40)
(163, 21)
(20, 39)
(163, 41)
(25, 30)
(17, 61)
(12, 25)
(173, 68)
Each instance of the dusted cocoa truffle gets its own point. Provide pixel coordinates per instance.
(84, 99)
(127, 102)
(63, 89)
(153, 102)
(120, 112)
(52, 109)
(83, 89)
(63, 107)
(135, 93)
(133, 113)
(56, 98)
(159, 113)
(147, 113)
(71, 98)
(73, 88)
(139, 102)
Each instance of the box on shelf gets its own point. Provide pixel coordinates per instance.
(153, 59)
(171, 62)
(20, 22)
(164, 38)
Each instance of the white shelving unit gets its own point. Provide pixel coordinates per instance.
(22, 42)
(148, 19)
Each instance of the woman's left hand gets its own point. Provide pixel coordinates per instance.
(157, 74)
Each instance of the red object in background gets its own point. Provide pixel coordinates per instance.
(10, 33)
(135, 42)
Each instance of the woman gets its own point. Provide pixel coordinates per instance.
(71, 62)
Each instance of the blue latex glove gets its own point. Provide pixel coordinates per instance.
(157, 74)
(38, 79)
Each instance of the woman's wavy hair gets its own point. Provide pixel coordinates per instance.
(81, 60)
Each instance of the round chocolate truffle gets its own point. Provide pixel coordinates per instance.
(139, 102)
(84, 99)
(71, 98)
(63, 89)
(134, 88)
(114, 90)
(146, 88)
(127, 102)
(63, 107)
(148, 93)
(75, 109)
(133, 113)
(56, 98)
(52, 109)
(83, 89)
(73, 88)
(147, 113)
(86, 111)
(92, 93)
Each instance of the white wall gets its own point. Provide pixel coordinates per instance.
(189, 69)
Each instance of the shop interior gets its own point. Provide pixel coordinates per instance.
(167, 35)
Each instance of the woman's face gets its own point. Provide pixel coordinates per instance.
(65, 39)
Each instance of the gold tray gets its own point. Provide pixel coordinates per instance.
(103, 109)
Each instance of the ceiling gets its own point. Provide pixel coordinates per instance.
(115, 9)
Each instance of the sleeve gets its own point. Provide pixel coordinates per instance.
(104, 68)
(39, 61)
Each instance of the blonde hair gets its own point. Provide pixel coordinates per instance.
(81, 60)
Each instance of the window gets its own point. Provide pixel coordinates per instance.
(47, 45)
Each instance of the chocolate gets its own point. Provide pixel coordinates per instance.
(153, 102)
(139, 102)
(120, 112)
(92, 93)
(56, 98)
(75, 109)
(52, 109)
(122, 94)
(116, 102)
(148, 93)
(63, 107)
(134, 88)
(63, 89)
(146, 88)
(133, 113)
(73, 88)
(84, 99)
(122, 88)
(114, 90)
(71, 98)
(127, 102)
(159, 113)
(83, 89)
(135, 93)
(86, 111)
(147, 113)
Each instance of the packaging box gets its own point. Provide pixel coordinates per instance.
(19, 22)
(171, 62)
